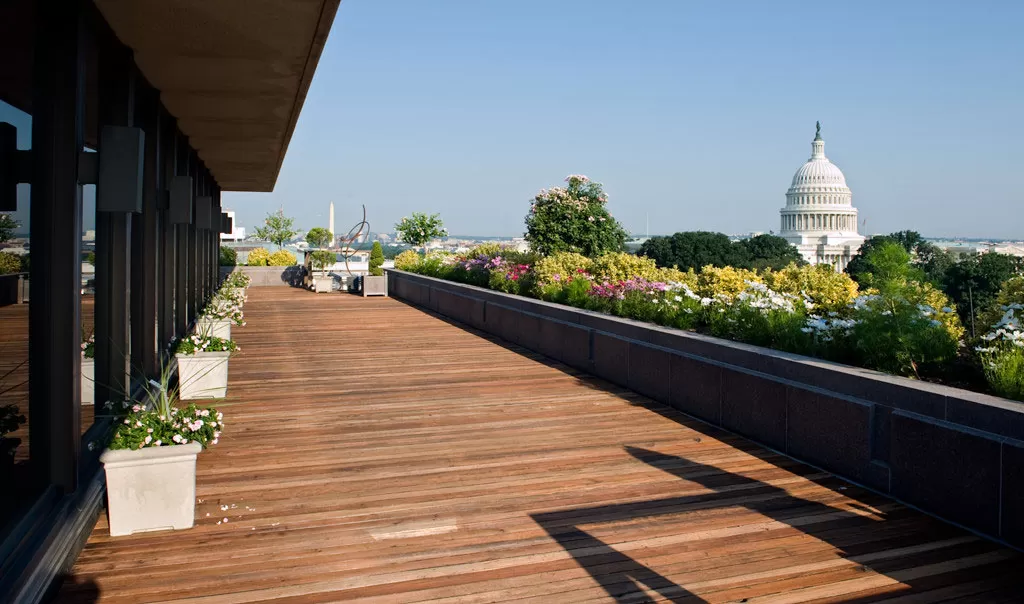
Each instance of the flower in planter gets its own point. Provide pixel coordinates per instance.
(89, 346)
(224, 309)
(156, 421)
(200, 342)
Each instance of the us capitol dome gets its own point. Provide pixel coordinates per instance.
(819, 217)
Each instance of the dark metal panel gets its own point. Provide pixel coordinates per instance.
(182, 299)
(168, 136)
(119, 186)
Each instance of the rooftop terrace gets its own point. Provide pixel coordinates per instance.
(375, 452)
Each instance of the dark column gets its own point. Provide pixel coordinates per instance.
(56, 215)
(168, 136)
(182, 295)
(217, 210)
(113, 234)
(193, 241)
(145, 240)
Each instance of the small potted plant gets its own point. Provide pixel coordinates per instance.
(320, 281)
(88, 367)
(376, 282)
(150, 464)
(10, 421)
(219, 315)
(203, 366)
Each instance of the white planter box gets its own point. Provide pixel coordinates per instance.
(202, 375)
(323, 285)
(218, 329)
(151, 489)
(88, 380)
(375, 286)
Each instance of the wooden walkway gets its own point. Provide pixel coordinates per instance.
(376, 453)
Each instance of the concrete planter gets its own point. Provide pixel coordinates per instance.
(323, 285)
(202, 375)
(217, 328)
(88, 380)
(151, 489)
(375, 286)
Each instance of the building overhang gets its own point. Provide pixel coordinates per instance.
(233, 72)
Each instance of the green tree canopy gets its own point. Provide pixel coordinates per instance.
(573, 219)
(319, 237)
(932, 260)
(277, 228)
(696, 249)
(7, 226)
(974, 282)
(768, 251)
(420, 229)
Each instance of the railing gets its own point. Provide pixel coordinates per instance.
(950, 452)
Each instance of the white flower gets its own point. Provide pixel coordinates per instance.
(149, 439)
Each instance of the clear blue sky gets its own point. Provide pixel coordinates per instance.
(696, 113)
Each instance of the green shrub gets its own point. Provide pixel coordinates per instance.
(228, 256)
(1004, 370)
(826, 289)
(560, 267)
(409, 260)
(573, 219)
(319, 259)
(621, 266)
(9, 263)
(258, 257)
(1011, 292)
(376, 260)
(281, 258)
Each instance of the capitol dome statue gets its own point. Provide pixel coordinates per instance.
(819, 217)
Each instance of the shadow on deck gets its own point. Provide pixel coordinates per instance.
(375, 452)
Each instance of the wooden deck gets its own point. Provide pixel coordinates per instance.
(376, 453)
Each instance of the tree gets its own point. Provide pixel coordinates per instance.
(927, 256)
(692, 249)
(768, 251)
(376, 260)
(7, 226)
(228, 256)
(319, 237)
(421, 229)
(974, 282)
(277, 228)
(573, 219)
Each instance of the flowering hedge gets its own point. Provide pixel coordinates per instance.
(150, 428)
(200, 342)
(906, 327)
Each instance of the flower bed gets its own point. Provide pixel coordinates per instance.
(903, 326)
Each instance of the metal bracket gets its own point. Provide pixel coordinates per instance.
(15, 167)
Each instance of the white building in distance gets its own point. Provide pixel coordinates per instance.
(819, 217)
(237, 234)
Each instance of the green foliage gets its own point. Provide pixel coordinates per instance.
(319, 237)
(1011, 292)
(376, 260)
(281, 258)
(7, 227)
(974, 283)
(620, 266)
(150, 428)
(767, 252)
(421, 229)
(200, 342)
(932, 261)
(408, 260)
(560, 267)
(258, 257)
(888, 269)
(1004, 370)
(228, 256)
(9, 263)
(91, 258)
(237, 279)
(573, 219)
(277, 228)
(321, 259)
(692, 250)
(825, 289)
(10, 420)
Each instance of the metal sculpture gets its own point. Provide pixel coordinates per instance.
(349, 241)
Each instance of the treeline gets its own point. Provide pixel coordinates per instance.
(971, 281)
(697, 249)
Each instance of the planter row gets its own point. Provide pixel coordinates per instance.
(953, 453)
(154, 488)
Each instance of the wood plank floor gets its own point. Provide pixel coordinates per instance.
(376, 453)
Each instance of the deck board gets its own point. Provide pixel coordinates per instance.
(377, 453)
